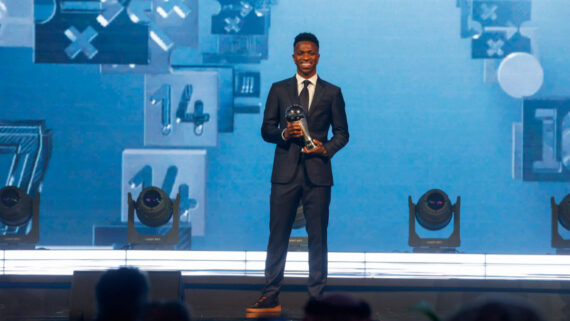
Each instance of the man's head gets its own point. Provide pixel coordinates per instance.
(306, 54)
(497, 308)
(121, 293)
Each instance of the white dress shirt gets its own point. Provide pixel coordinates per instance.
(310, 88)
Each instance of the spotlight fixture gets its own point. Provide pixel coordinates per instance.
(154, 208)
(434, 212)
(560, 214)
(17, 208)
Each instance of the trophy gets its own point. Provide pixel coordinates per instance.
(296, 113)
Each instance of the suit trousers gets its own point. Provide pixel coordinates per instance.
(284, 201)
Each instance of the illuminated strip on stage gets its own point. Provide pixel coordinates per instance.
(251, 263)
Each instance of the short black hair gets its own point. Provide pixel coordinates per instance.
(306, 36)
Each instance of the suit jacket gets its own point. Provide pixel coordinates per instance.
(327, 109)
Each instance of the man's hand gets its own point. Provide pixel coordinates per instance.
(293, 130)
(319, 150)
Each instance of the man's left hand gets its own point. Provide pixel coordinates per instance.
(319, 150)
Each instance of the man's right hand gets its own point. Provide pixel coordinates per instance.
(293, 130)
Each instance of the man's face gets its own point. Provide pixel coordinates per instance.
(306, 57)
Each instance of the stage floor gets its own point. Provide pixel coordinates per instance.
(37, 284)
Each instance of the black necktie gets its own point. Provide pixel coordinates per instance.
(304, 96)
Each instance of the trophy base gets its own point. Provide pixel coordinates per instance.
(310, 146)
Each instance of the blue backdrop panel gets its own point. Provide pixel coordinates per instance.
(239, 18)
(90, 31)
(422, 114)
(181, 109)
(173, 27)
(495, 45)
(16, 23)
(176, 172)
(510, 13)
(546, 140)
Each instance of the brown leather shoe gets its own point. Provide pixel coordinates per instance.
(265, 304)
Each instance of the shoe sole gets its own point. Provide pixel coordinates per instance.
(263, 315)
(276, 309)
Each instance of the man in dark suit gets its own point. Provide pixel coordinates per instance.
(301, 175)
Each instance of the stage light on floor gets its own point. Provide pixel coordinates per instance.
(560, 216)
(17, 209)
(15, 206)
(434, 212)
(154, 209)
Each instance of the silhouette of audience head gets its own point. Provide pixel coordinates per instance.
(121, 294)
(337, 307)
(494, 308)
(166, 311)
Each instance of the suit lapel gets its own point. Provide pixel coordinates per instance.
(292, 91)
(319, 89)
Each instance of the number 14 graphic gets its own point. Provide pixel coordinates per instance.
(181, 109)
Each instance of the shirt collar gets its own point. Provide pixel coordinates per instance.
(300, 79)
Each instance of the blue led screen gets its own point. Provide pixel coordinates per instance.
(427, 101)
